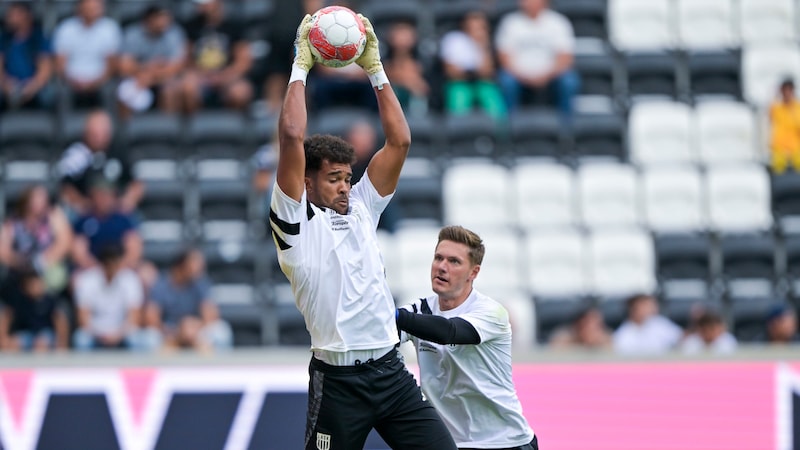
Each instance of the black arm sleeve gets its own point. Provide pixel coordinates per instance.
(437, 329)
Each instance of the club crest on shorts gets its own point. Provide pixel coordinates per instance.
(323, 441)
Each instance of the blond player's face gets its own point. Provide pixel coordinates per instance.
(330, 187)
(451, 270)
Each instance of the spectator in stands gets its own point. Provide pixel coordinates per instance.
(36, 237)
(587, 331)
(219, 60)
(181, 307)
(280, 34)
(364, 139)
(781, 325)
(30, 320)
(344, 86)
(403, 67)
(536, 51)
(27, 60)
(152, 58)
(85, 162)
(645, 332)
(109, 298)
(784, 115)
(469, 65)
(86, 47)
(711, 335)
(105, 225)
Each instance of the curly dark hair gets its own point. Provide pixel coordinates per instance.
(320, 147)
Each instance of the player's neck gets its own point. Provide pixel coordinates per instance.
(446, 304)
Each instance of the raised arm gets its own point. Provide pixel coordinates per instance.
(292, 121)
(384, 168)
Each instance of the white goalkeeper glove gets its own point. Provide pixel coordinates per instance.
(303, 59)
(370, 59)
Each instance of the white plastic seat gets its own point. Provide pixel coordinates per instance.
(725, 132)
(608, 195)
(556, 263)
(414, 247)
(767, 20)
(622, 263)
(706, 24)
(764, 66)
(636, 25)
(660, 133)
(673, 199)
(391, 260)
(522, 316)
(476, 196)
(501, 270)
(739, 198)
(544, 195)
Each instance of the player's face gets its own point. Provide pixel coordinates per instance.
(330, 187)
(451, 271)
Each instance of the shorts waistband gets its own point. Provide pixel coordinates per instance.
(353, 359)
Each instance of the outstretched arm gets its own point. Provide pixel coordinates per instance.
(440, 330)
(384, 168)
(292, 122)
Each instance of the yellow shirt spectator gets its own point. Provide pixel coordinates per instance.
(784, 117)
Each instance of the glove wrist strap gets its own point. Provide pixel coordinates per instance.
(298, 73)
(378, 79)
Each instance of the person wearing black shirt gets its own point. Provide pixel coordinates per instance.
(219, 60)
(30, 319)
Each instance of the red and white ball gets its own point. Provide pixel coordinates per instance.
(337, 36)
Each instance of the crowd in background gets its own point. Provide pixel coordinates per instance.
(75, 272)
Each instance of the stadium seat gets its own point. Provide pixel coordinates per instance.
(162, 241)
(791, 263)
(523, 318)
(285, 316)
(660, 133)
(223, 198)
(419, 190)
(165, 189)
(652, 73)
(231, 262)
(544, 196)
(414, 247)
(638, 25)
(738, 198)
(724, 133)
(714, 73)
(683, 257)
(673, 199)
(19, 175)
(427, 140)
(767, 20)
(126, 12)
(27, 135)
(786, 202)
(254, 14)
(382, 13)
(471, 135)
(682, 299)
(596, 65)
(748, 256)
(536, 133)
(555, 266)
(706, 24)
(337, 121)
(588, 17)
(215, 134)
(764, 66)
(477, 196)
(599, 136)
(153, 135)
(608, 195)
(750, 300)
(622, 263)
(501, 271)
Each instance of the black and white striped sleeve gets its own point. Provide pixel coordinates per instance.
(286, 218)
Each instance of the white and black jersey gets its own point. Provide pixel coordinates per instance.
(335, 268)
(471, 385)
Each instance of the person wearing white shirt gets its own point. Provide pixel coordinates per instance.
(470, 68)
(535, 48)
(645, 332)
(325, 233)
(710, 337)
(463, 342)
(86, 46)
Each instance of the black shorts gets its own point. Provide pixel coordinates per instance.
(346, 402)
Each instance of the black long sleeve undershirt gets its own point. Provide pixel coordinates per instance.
(437, 329)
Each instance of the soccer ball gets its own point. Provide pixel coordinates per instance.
(337, 36)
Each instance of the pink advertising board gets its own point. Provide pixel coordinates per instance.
(636, 406)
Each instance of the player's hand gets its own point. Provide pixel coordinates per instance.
(302, 48)
(370, 60)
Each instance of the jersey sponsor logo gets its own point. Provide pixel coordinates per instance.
(323, 441)
(340, 224)
(427, 347)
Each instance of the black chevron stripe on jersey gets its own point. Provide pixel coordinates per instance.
(281, 243)
(286, 227)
